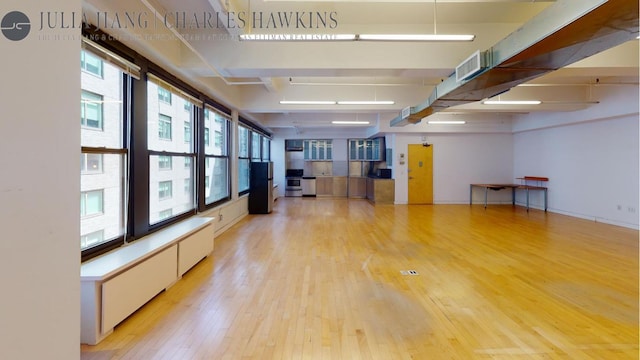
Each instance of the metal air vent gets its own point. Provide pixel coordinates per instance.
(471, 66)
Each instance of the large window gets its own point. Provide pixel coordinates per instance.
(216, 185)
(243, 159)
(183, 166)
(171, 152)
(102, 158)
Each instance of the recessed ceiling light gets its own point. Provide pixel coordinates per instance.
(307, 102)
(447, 122)
(341, 122)
(512, 102)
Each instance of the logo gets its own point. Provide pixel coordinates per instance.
(15, 26)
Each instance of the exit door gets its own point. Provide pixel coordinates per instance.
(420, 174)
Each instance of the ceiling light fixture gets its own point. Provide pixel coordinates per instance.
(512, 102)
(446, 122)
(415, 37)
(331, 102)
(341, 122)
(306, 102)
(298, 37)
(367, 102)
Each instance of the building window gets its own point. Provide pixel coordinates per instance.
(217, 139)
(91, 239)
(206, 136)
(90, 164)
(187, 163)
(187, 186)
(164, 162)
(188, 106)
(91, 63)
(164, 127)
(187, 131)
(165, 214)
(91, 202)
(164, 95)
(91, 110)
(165, 190)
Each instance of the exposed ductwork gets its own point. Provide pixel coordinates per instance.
(564, 33)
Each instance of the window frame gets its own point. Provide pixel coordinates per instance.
(204, 156)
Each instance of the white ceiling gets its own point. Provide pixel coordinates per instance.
(254, 76)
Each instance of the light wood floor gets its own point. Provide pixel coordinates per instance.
(321, 279)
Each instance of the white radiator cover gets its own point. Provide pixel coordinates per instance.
(125, 293)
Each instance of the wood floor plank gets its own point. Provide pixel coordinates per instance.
(321, 279)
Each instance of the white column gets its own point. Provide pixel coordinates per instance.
(40, 181)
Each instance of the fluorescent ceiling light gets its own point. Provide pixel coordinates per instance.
(298, 37)
(447, 122)
(331, 102)
(365, 102)
(307, 102)
(512, 102)
(415, 37)
(339, 122)
(355, 37)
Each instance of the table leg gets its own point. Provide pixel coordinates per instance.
(545, 200)
(513, 196)
(527, 199)
(470, 194)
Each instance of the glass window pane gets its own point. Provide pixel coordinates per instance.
(243, 142)
(266, 149)
(101, 174)
(169, 127)
(168, 187)
(218, 126)
(243, 175)
(256, 146)
(218, 174)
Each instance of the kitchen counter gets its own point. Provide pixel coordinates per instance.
(381, 191)
(331, 186)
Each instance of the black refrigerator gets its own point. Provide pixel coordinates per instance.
(261, 188)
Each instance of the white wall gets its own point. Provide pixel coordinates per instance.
(40, 189)
(458, 160)
(590, 157)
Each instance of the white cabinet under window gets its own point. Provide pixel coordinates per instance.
(319, 150)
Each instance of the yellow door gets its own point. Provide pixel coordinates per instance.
(420, 174)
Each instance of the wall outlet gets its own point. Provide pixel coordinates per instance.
(219, 217)
(632, 209)
(619, 207)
